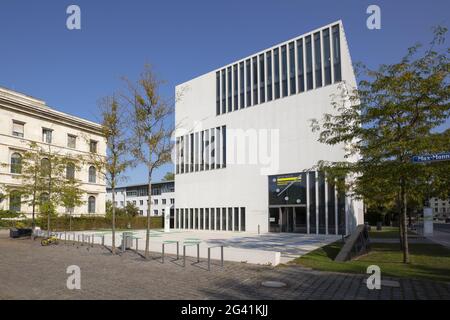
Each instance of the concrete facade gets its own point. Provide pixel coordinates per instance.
(32, 116)
(163, 197)
(226, 177)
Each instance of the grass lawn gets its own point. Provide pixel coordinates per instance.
(428, 261)
(386, 232)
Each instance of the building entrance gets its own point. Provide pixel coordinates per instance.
(288, 219)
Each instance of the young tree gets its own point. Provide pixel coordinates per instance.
(393, 116)
(116, 162)
(151, 139)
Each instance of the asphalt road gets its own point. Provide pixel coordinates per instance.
(442, 227)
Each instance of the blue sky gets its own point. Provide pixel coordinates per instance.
(72, 70)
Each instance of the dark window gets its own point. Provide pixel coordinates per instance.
(191, 216)
(202, 150)
(178, 155)
(16, 163)
(236, 219)
(318, 59)
(201, 219)
(212, 148)
(248, 83)
(15, 201)
(269, 75)
(309, 67)
(91, 204)
(331, 209)
(70, 171)
(217, 93)
(276, 64)
(300, 66)
(312, 202)
(224, 146)
(293, 84)
(92, 174)
(242, 219)
(262, 78)
(93, 146)
(241, 85)
(206, 219)
(47, 135)
(322, 203)
(230, 219)
(341, 212)
(196, 145)
(71, 141)
(336, 54)
(224, 219)
(284, 71)
(196, 219)
(255, 80)
(217, 218)
(177, 219)
(235, 87)
(229, 89)
(224, 92)
(18, 129)
(326, 56)
(213, 223)
(206, 150)
(191, 153)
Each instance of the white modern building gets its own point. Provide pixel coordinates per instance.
(163, 197)
(25, 120)
(441, 208)
(245, 151)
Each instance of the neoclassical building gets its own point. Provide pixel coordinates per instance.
(24, 120)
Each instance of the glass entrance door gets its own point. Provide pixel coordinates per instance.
(288, 219)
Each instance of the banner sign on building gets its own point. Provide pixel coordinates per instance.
(287, 189)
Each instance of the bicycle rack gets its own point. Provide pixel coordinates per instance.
(209, 256)
(170, 242)
(188, 244)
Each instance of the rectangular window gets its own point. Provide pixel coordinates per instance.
(18, 129)
(229, 89)
(241, 85)
(284, 71)
(248, 83)
(230, 219)
(196, 219)
(224, 92)
(164, 201)
(235, 87)
(327, 56)
(321, 202)
(47, 135)
(182, 154)
(177, 144)
(217, 93)
(300, 66)
(276, 63)
(224, 146)
(141, 202)
(255, 80)
(213, 220)
(219, 148)
(269, 75)
(262, 78)
(177, 219)
(196, 148)
(202, 150)
(206, 150)
(71, 141)
(312, 202)
(236, 219)
(318, 59)
(207, 219)
(331, 209)
(309, 66)
(224, 219)
(218, 219)
(93, 146)
(242, 219)
(336, 54)
(191, 153)
(212, 148)
(292, 80)
(202, 216)
(191, 217)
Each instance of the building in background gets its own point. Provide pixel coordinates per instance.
(23, 120)
(441, 208)
(245, 151)
(163, 197)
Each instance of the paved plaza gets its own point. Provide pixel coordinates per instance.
(30, 271)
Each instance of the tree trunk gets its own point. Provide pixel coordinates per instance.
(147, 235)
(404, 225)
(113, 245)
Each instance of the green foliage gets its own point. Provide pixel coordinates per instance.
(169, 176)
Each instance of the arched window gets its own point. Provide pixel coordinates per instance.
(92, 174)
(45, 167)
(16, 163)
(91, 204)
(15, 201)
(70, 171)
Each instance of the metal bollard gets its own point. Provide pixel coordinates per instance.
(178, 250)
(93, 240)
(221, 254)
(103, 240)
(198, 252)
(184, 255)
(209, 259)
(137, 244)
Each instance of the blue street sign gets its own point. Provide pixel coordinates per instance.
(445, 156)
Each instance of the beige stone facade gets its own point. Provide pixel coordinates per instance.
(24, 119)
